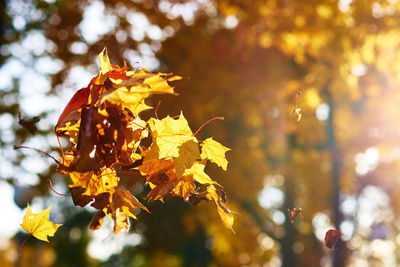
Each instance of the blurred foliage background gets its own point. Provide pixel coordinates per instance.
(253, 62)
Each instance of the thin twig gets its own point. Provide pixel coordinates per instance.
(207, 122)
(23, 244)
(40, 151)
(107, 236)
(52, 188)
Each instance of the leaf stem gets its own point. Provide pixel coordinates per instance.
(61, 148)
(23, 244)
(155, 111)
(52, 189)
(40, 151)
(207, 122)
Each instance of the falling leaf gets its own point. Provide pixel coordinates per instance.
(297, 110)
(293, 213)
(215, 152)
(38, 224)
(332, 237)
(29, 124)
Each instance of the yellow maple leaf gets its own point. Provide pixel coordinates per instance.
(126, 202)
(158, 83)
(105, 66)
(105, 182)
(224, 213)
(188, 153)
(215, 152)
(197, 170)
(169, 134)
(38, 224)
(130, 98)
(174, 174)
(95, 184)
(121, 221)
(148, 82)
(132, 91)
(152, 165)
(72, 130)
(123, 206)
(185, 187)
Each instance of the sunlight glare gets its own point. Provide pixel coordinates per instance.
(231, 22)
(321, 224)
(104, 243)
(270, 197)
(359, 70)
(96, 22)
(322, 112)
(367, 161)
(10, 225)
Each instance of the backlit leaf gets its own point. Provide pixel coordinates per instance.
(293, 213)
(197, 170)
(169, 134)
(39, 224)
(215, 152)
(103, 124)
(332, 237)
(224, 213)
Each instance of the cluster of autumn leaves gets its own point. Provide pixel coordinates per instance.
(107, 135)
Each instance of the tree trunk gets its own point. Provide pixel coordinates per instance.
(340, 253)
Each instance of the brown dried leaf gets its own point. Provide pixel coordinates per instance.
(293, 213)
(332, 237)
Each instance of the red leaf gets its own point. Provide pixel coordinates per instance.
(79, 99)
(331, 237)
